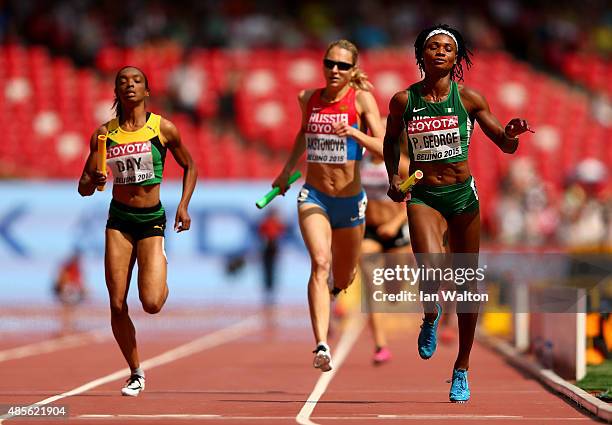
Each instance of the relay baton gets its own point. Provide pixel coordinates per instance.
(407, 184)
(102, 156)
(267, 198)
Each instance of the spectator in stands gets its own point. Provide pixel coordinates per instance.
(586, 209)
(332, 203)
(226, 102)
(186, 85)
(137, 142)
(530, 31)
(439, 115)
(525, 213)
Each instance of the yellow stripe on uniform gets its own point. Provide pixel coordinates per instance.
(147, 132)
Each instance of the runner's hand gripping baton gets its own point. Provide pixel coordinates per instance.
(267, 198)
(407, 184)
(101, 157)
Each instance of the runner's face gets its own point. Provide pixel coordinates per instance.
(440, 53)
(336, 77)
(130, 86)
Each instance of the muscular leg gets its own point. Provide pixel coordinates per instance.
(119, 258)
(427, 228)
(317, 235)
(464, 237)
(152, 270)
(346, 248)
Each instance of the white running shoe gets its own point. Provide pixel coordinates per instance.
(322, 359)
(134, 386)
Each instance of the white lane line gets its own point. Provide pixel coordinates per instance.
(349, 336)
(369, 418)
(50, 345)
(214, 339)
(161, 416)
(449, 416)
(454, 417)
(423, 390)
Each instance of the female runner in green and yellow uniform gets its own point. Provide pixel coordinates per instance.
(137, 141)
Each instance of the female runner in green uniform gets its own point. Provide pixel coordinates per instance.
(438, 115)
(137, 141)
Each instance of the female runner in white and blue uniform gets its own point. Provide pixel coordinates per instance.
(332, 203)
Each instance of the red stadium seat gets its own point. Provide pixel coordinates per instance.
(269, 117)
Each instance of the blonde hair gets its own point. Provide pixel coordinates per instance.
(359, 79)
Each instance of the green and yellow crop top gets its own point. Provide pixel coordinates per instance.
(136, 157)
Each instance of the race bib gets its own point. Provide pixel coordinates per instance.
(131, 162)
(326, 148)
(434, 139)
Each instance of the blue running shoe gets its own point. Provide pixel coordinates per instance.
(428, 340)
(460, 390)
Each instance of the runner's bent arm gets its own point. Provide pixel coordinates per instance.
(505, 138)
(299, 146)
(391, 146)
(368, 109)
(190, 173)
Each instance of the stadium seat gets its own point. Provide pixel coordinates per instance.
(267, 112)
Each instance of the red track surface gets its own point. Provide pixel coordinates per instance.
(264, 376)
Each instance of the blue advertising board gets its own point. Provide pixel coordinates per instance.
(42, 223)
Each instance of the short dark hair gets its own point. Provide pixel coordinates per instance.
(116, 103)
(463, 53)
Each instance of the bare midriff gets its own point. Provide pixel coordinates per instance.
(382, 211)
(341, 180)
(441, 174)
(137, 196)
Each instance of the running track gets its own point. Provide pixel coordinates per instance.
(235, 366)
